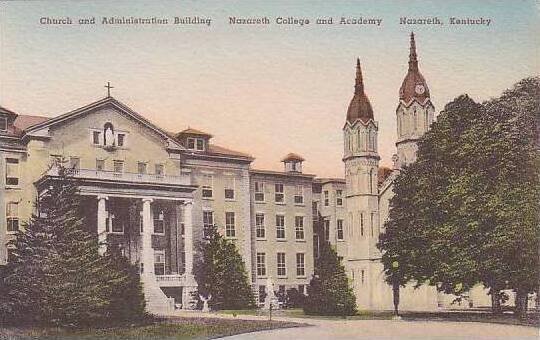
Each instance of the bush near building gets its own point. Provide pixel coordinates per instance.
(220, 272)
(329, 292)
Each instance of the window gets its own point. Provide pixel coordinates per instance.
(262, 294)
(301, 289)
(299, 195)
(117, 225)
(261, 264)
(159, 170)
(121, 139)
(259, 226)
(208, 222)
(230, 229)
(183, 262)
(10, 255)
(281, 268)
(100, 164)
(96, 137)
(300, 264)
(280, 226)
(280, 197)
(339, 198)
(371, 224)
(340, 230)
(200, 144)
(12, 217)
(259, 191)
(141, 168)
(229, 187)
(159, 262)
(191, 143)
(195, 144)
(3, 124)
(159, 221)
(327, 230)
(118, 166)
(362, 276)
(74, 163)
(207, 183)
(326, 199)
(12, 171)
(361, 224)
(299, 227)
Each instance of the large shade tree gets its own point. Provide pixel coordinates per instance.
(467, 211)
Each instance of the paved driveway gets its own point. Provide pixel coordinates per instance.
(390, 329)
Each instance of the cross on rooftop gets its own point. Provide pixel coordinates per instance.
(109, 87)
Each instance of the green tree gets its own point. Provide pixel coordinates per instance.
(329, 292)
(55, 274)
(504, 146)
(467, 211)
(220, 272)
(127, 302)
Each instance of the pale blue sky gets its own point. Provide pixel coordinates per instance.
(263, 90)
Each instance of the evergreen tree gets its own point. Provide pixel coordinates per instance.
(220, 272)
(329, 292)
(56, 275)
(127, 302)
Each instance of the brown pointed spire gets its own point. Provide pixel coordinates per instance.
(359, 84)
(414, 85)
(359, 108)
(413, 58)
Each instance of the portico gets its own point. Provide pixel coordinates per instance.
(150, 220)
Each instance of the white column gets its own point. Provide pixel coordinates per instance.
(101, 223)
(188, 237)
(147, 258)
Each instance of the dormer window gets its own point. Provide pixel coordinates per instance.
(194, 140)
(3, 124)
(196, 144)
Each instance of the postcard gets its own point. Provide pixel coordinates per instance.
(265, 169)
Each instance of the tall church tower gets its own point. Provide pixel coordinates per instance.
(361, 166)
(414, 113)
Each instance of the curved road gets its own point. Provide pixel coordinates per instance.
(390, 329)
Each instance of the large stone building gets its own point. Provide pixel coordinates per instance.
(153, 192)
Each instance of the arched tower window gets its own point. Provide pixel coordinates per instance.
(399, 124)
(415, 118)
(426, 120)
(371, 181)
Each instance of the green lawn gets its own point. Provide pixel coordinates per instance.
(459, 316)
(177, 328)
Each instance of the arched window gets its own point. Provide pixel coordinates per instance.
(371, 181)
(415, 120)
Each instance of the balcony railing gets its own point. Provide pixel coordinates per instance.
(170, 277)
(126, 176)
